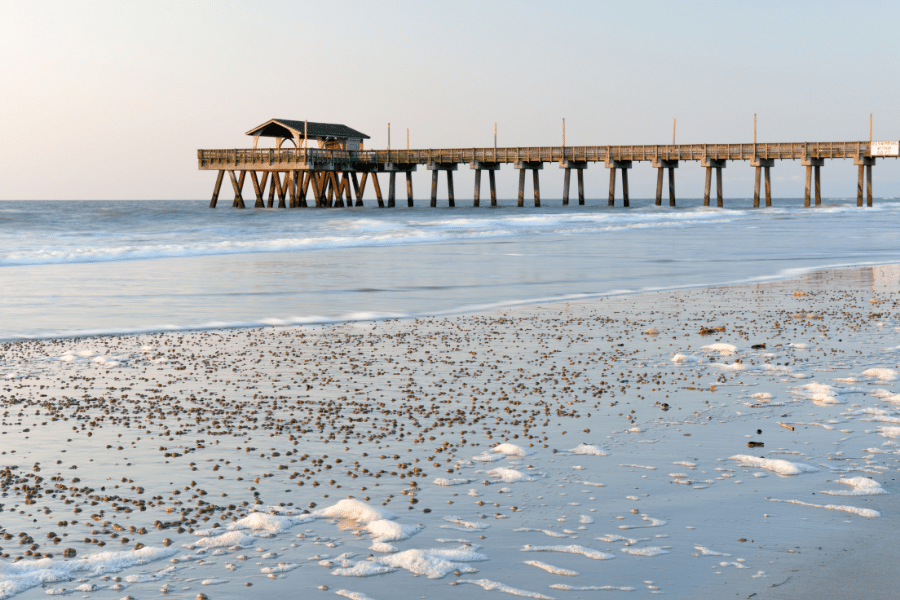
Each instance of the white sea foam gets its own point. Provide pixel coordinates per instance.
(723, 349)
(259, 521)
(707, 552)
(651, 522)
(782, 467)
(861, 486)
(551, 569)
(355, 510)
(571, 549)
(435, 563)
(509, 475)
(863, 512)
(230, 538)
(353, 595)
(389, 531)
(491, 586)
(881, 373)
(649, 551)
(588, 450)
(589, 588)
(889, 432)
(443, 482)
(466, 524)
(685, 358)
(512, 450)
(18, 577)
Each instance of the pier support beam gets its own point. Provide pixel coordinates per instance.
(865, 164)
(435, 168)
(392, 191)
(812, 163)
(718, 164)
(579, 166)
(218, 186)
(409, 192)
(237, 183)
(493, 184)
(534, 167)
(255, 181)
(671, 165)
(760, 164)
(377, 187)
(623, 165)
(305, 176)
(393, 169)
(356, 189)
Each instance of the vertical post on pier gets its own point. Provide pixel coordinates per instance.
(521, 188)
(869, 186)
(279, 188)
(672, 187)
(377, 187)
(476, 200)
(768, 188)
(337, 184)
(612, 186)
(434, 182)
(238, 199)
(255, 181)
(493, 184)
(318, 183)
(332, 188)
(859, 186)
(719, 198)
(625, 188)
(581, 187)
(392, 189)
(305, 176)
(409, 192)
(450, 188)
(537, 187)
(271, 203)
(215, 195)
(756, 184)
(808, 185)
(293, 188)
(566, 179)
(707, 186)
(659, 183)
(818, 186)
(356, 190)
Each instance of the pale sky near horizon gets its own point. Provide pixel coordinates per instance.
(111, 100)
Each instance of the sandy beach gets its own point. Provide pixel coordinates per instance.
(726, 441)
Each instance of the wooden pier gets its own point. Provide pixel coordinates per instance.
(336, 173)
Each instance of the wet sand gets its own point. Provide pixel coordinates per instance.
(637, 444)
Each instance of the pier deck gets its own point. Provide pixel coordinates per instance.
(333, 175)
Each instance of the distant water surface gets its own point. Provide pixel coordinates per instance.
(83, 267)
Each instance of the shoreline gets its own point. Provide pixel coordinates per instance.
(590, 407)
(482, 309)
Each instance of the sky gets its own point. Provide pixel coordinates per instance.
(110, 100)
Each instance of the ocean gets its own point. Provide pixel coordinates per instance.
(395, 403)
(76, 268)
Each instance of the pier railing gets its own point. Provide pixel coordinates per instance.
(285, 158)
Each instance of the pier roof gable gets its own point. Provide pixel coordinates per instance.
(288, 128)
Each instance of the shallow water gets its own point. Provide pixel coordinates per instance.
(591, 475)
(81, 267)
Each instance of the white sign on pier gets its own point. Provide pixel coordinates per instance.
(885, 149)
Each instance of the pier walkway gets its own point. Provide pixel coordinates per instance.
(338, 178)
